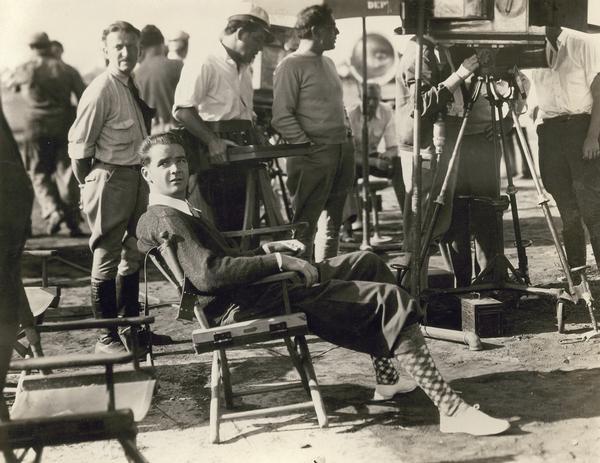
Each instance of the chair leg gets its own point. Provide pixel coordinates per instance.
(297, 361)
(132, 453)
(226, 378)
(315, 392)
(9, 456)
(215, 398)
(38, 454)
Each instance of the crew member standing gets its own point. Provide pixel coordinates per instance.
(568, 95)
(47, 85)
(218, 87)
(103, 141)
(157, 78)
(308, 107)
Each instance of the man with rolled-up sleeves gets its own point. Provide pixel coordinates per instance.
(111, 123)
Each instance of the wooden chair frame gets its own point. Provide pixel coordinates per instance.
(36, 433)
(165, 258)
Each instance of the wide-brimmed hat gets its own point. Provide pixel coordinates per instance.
(39, 40)
(255, 15)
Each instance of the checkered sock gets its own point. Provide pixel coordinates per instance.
(414, 357)
(385, 371)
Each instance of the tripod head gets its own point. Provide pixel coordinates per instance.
(506, 88)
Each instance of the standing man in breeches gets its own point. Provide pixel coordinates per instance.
(111, 122)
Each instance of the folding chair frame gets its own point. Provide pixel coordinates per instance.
(165, 258)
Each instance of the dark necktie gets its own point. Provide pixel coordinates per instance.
(147, 112)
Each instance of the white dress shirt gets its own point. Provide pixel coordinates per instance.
(565, 87)
(215, 86)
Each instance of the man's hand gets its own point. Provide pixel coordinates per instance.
(308, 271)
(591, 148)
(217, 150)
(471, 63)
(289, 247)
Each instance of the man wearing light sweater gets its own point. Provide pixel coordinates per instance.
(308, 107)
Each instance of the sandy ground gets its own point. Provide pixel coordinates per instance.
(549, 390)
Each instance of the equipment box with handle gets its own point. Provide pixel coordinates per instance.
(482, 315)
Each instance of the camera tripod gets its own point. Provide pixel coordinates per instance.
(500, 274)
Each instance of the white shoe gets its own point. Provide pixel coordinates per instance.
(387, 391)
(474, 422)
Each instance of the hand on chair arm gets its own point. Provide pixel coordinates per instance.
(308, 271)
(289, 247)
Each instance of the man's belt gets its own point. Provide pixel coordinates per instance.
(565, 118)
(135, 167)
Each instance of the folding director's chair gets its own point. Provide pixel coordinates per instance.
(290, 327)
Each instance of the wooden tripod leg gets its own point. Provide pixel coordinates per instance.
(132, 453)
(215, 398)
(272, 211)
(313, 384)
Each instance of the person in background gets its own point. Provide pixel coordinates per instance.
(48, 86)
(382, 127)
(178, 46)
(218, 87)
(111, 122)
(382, 131)
(308, 107)
(157, 77)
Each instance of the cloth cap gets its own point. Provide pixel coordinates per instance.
(255, 15)
(179, 35)
(39, 40)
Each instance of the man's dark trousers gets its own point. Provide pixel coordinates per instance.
(573, 182)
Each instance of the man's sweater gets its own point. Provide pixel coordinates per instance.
(308, 101)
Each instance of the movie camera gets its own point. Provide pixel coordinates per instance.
(503, 33)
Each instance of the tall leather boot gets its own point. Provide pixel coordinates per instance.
(104, 305)
(128, 289)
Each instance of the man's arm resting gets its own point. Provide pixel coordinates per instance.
(192, 121)
(81, 168)
(591, 147)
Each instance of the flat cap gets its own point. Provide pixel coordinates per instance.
(39, 40)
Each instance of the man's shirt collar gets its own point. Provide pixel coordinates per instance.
(156, 199)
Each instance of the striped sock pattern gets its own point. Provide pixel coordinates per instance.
(415, 358)
(385, 371)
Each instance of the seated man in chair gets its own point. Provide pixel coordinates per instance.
(350, 300)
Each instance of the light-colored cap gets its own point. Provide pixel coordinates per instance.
(254, 14)
(180, 35)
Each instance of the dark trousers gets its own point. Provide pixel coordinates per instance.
(49, 167)
(573, 182)
(477, 177)
(356, 305)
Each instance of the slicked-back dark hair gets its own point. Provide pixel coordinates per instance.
(166, 138)
(120, 26)
(315, 15)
